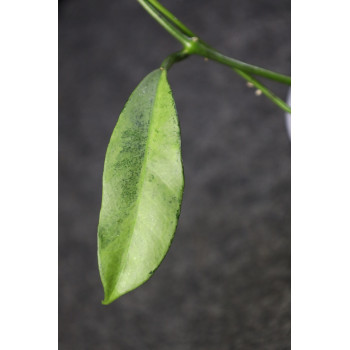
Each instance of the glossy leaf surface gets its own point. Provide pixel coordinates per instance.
(142, 188)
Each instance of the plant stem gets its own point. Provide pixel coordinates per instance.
(186, 36)
(165, 12)
(170, 60)
(175, 57)
(275, 99)
(172, 30)
(194, 45)
(233, 63)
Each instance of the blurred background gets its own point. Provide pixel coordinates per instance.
(225, 283)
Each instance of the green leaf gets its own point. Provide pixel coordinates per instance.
(142, 188)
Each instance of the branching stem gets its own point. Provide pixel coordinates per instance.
(270, 95)
(193, 45)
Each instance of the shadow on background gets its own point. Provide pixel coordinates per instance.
(225, 283)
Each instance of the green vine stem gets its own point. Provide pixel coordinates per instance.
(171, 59)
(192, 44)
(233, 63)
(169, 27)
(165, 12)
(270, 95)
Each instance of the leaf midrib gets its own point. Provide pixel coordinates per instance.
(140, 183)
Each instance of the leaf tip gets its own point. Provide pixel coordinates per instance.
(106, 302)
(109, 299)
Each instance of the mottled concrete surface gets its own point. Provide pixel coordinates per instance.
(225, 283)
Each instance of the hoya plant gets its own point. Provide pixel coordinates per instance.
(143, 179)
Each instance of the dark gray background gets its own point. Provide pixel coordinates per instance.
(225, 283)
